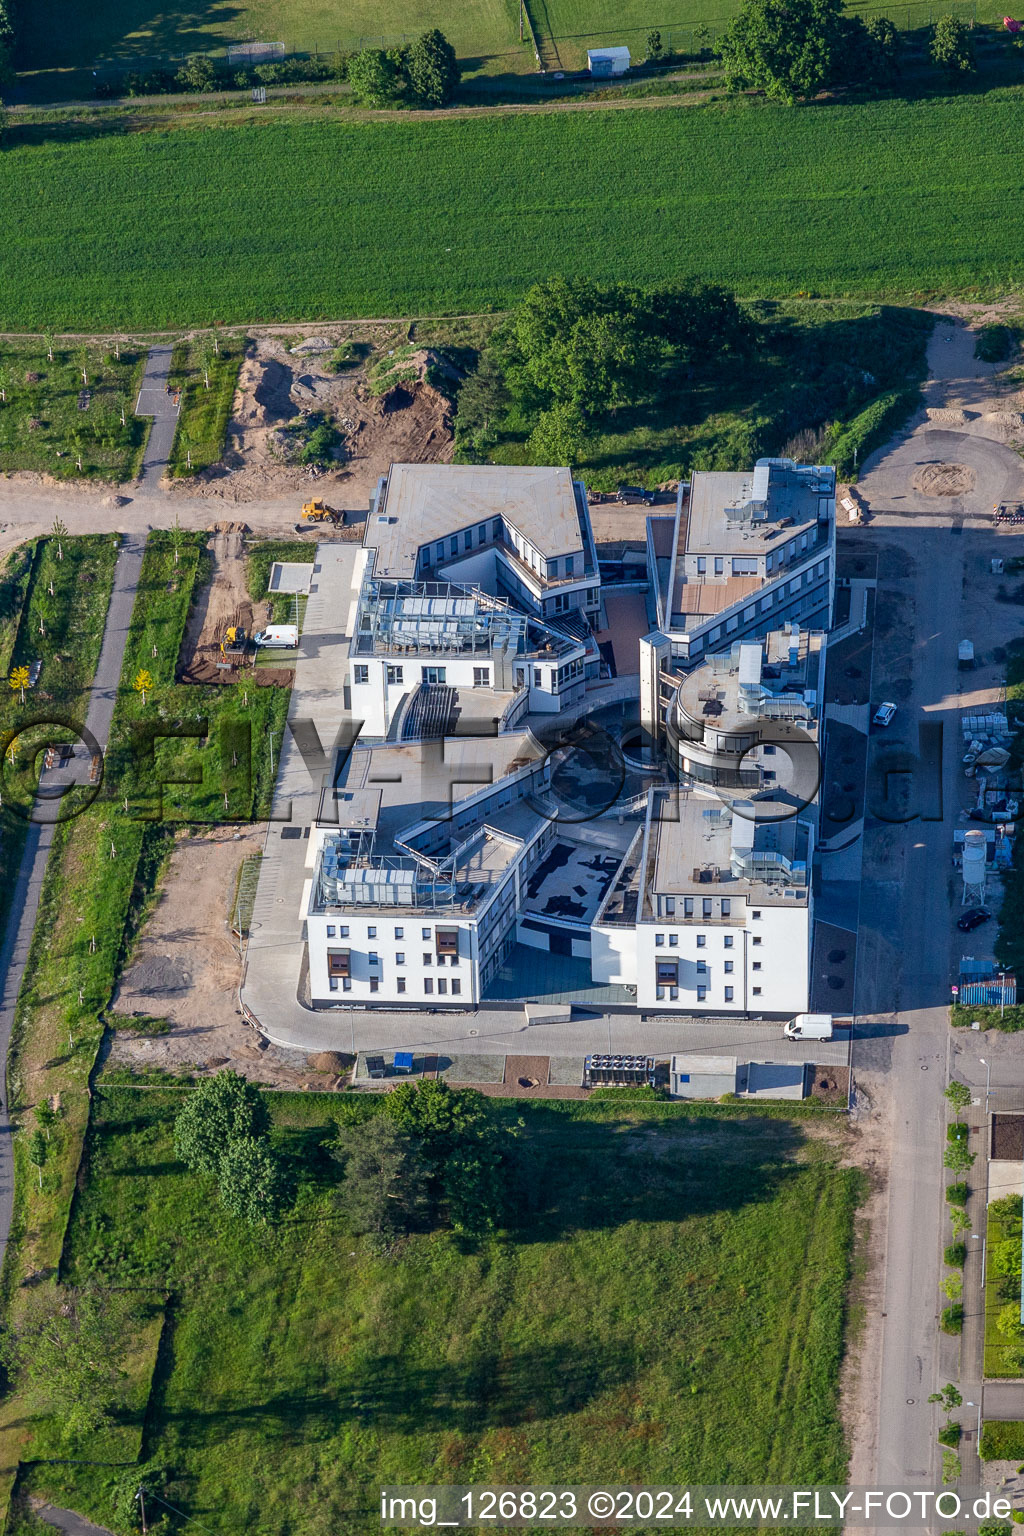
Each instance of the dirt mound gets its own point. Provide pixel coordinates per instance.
(329, 1061)
(944, 480)
(1012, 419)
(228, 528)
(950, 416)
(410, 424)
(116, 501)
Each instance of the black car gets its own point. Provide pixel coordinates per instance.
(973, 919)
(634, 495)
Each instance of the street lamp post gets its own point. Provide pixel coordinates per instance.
(988, 1079)
(1002, 992)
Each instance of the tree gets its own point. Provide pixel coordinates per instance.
(251, 1180)
(37, 1153)
(952, 46)
(198, 73)
(959, 1096)
(559, 435)
(432, 69)
(957, 1157)
(949, 1397)
(788, 49)
(655, 46)
(223, 1109)
(1006, 1258)
(385, 1190)
(1008, 1321)
(375, 78)
(71, 1344)
(468, 1152)
(484, 401)
(881, 51)
(699, 319)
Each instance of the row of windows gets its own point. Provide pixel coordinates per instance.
(769, 599)
(400, 988)
(340, 931)
(481, 675)
(671, 994)
(667, 907)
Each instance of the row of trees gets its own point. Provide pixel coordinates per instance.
(222, 1132)
(791, 49)
(425, 74)
(574, 350)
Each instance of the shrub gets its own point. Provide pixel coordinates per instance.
(198, 74)
(952, 1318)
(375, 78)
(950, 1434)
(992, 344)
(956, 1255)
(432, 69)
(952, 46)
(1001, 1440)
(956, 1194)
(957, 1131)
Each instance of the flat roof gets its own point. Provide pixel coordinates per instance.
(427, 502)
(715, 520)
(697, 839)
(711, 693)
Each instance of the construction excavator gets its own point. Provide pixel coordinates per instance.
(235, 638)
(317, 511)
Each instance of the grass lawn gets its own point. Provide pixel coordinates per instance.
(673, 1309)
(1000, 1291)
(207, 380)
(61, 41)
(882, 197)
(53, 415)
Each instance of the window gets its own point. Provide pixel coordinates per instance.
(687, 906)
(702, 993)
(536, 677)
(442, 984)
(330, 931)
(593, 594)
(456, 987)
(447, 941)
(496, 528)
(332, 983)
(394, 674)
(469, 538)
(701, 940)
(744, 565)
(433, 674)
(440, 959)
(728, 994)
(757, 965)
(338, 962)
(756, 991)
(667, 973)
(428, 985)
(702, 565)
(371, 932)
(399, 933)
(342, 933)
(719, 565)
(706, 907)
(673, 941)
(425, 932)
(659, 993)
(374, 984)
(346, 985)
(373, 958)
(670, 906)
(454, 546)
(756, 939)
(768, 749)
(726, 906)
(427, 959)
(362, 674)
(400, 984)
(481, 677)
(728, 967)
(748, 613)
(756, 916)
(731, 624)
(453, 959)
(400, 957)
(659, 938)
(727, 941)
(702, 967)
(481, 534)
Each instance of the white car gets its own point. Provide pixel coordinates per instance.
(885, 714)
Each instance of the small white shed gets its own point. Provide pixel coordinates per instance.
(603, 63)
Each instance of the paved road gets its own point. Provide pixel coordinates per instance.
(66, 1520)
(17, 940)
(156, 402)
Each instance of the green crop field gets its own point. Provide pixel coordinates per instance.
(671, 1309)
(385, 218)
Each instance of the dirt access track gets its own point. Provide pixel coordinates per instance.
(223, 601)
(185, 970)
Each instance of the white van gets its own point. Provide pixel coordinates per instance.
(278, 637)
(810, 1026)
